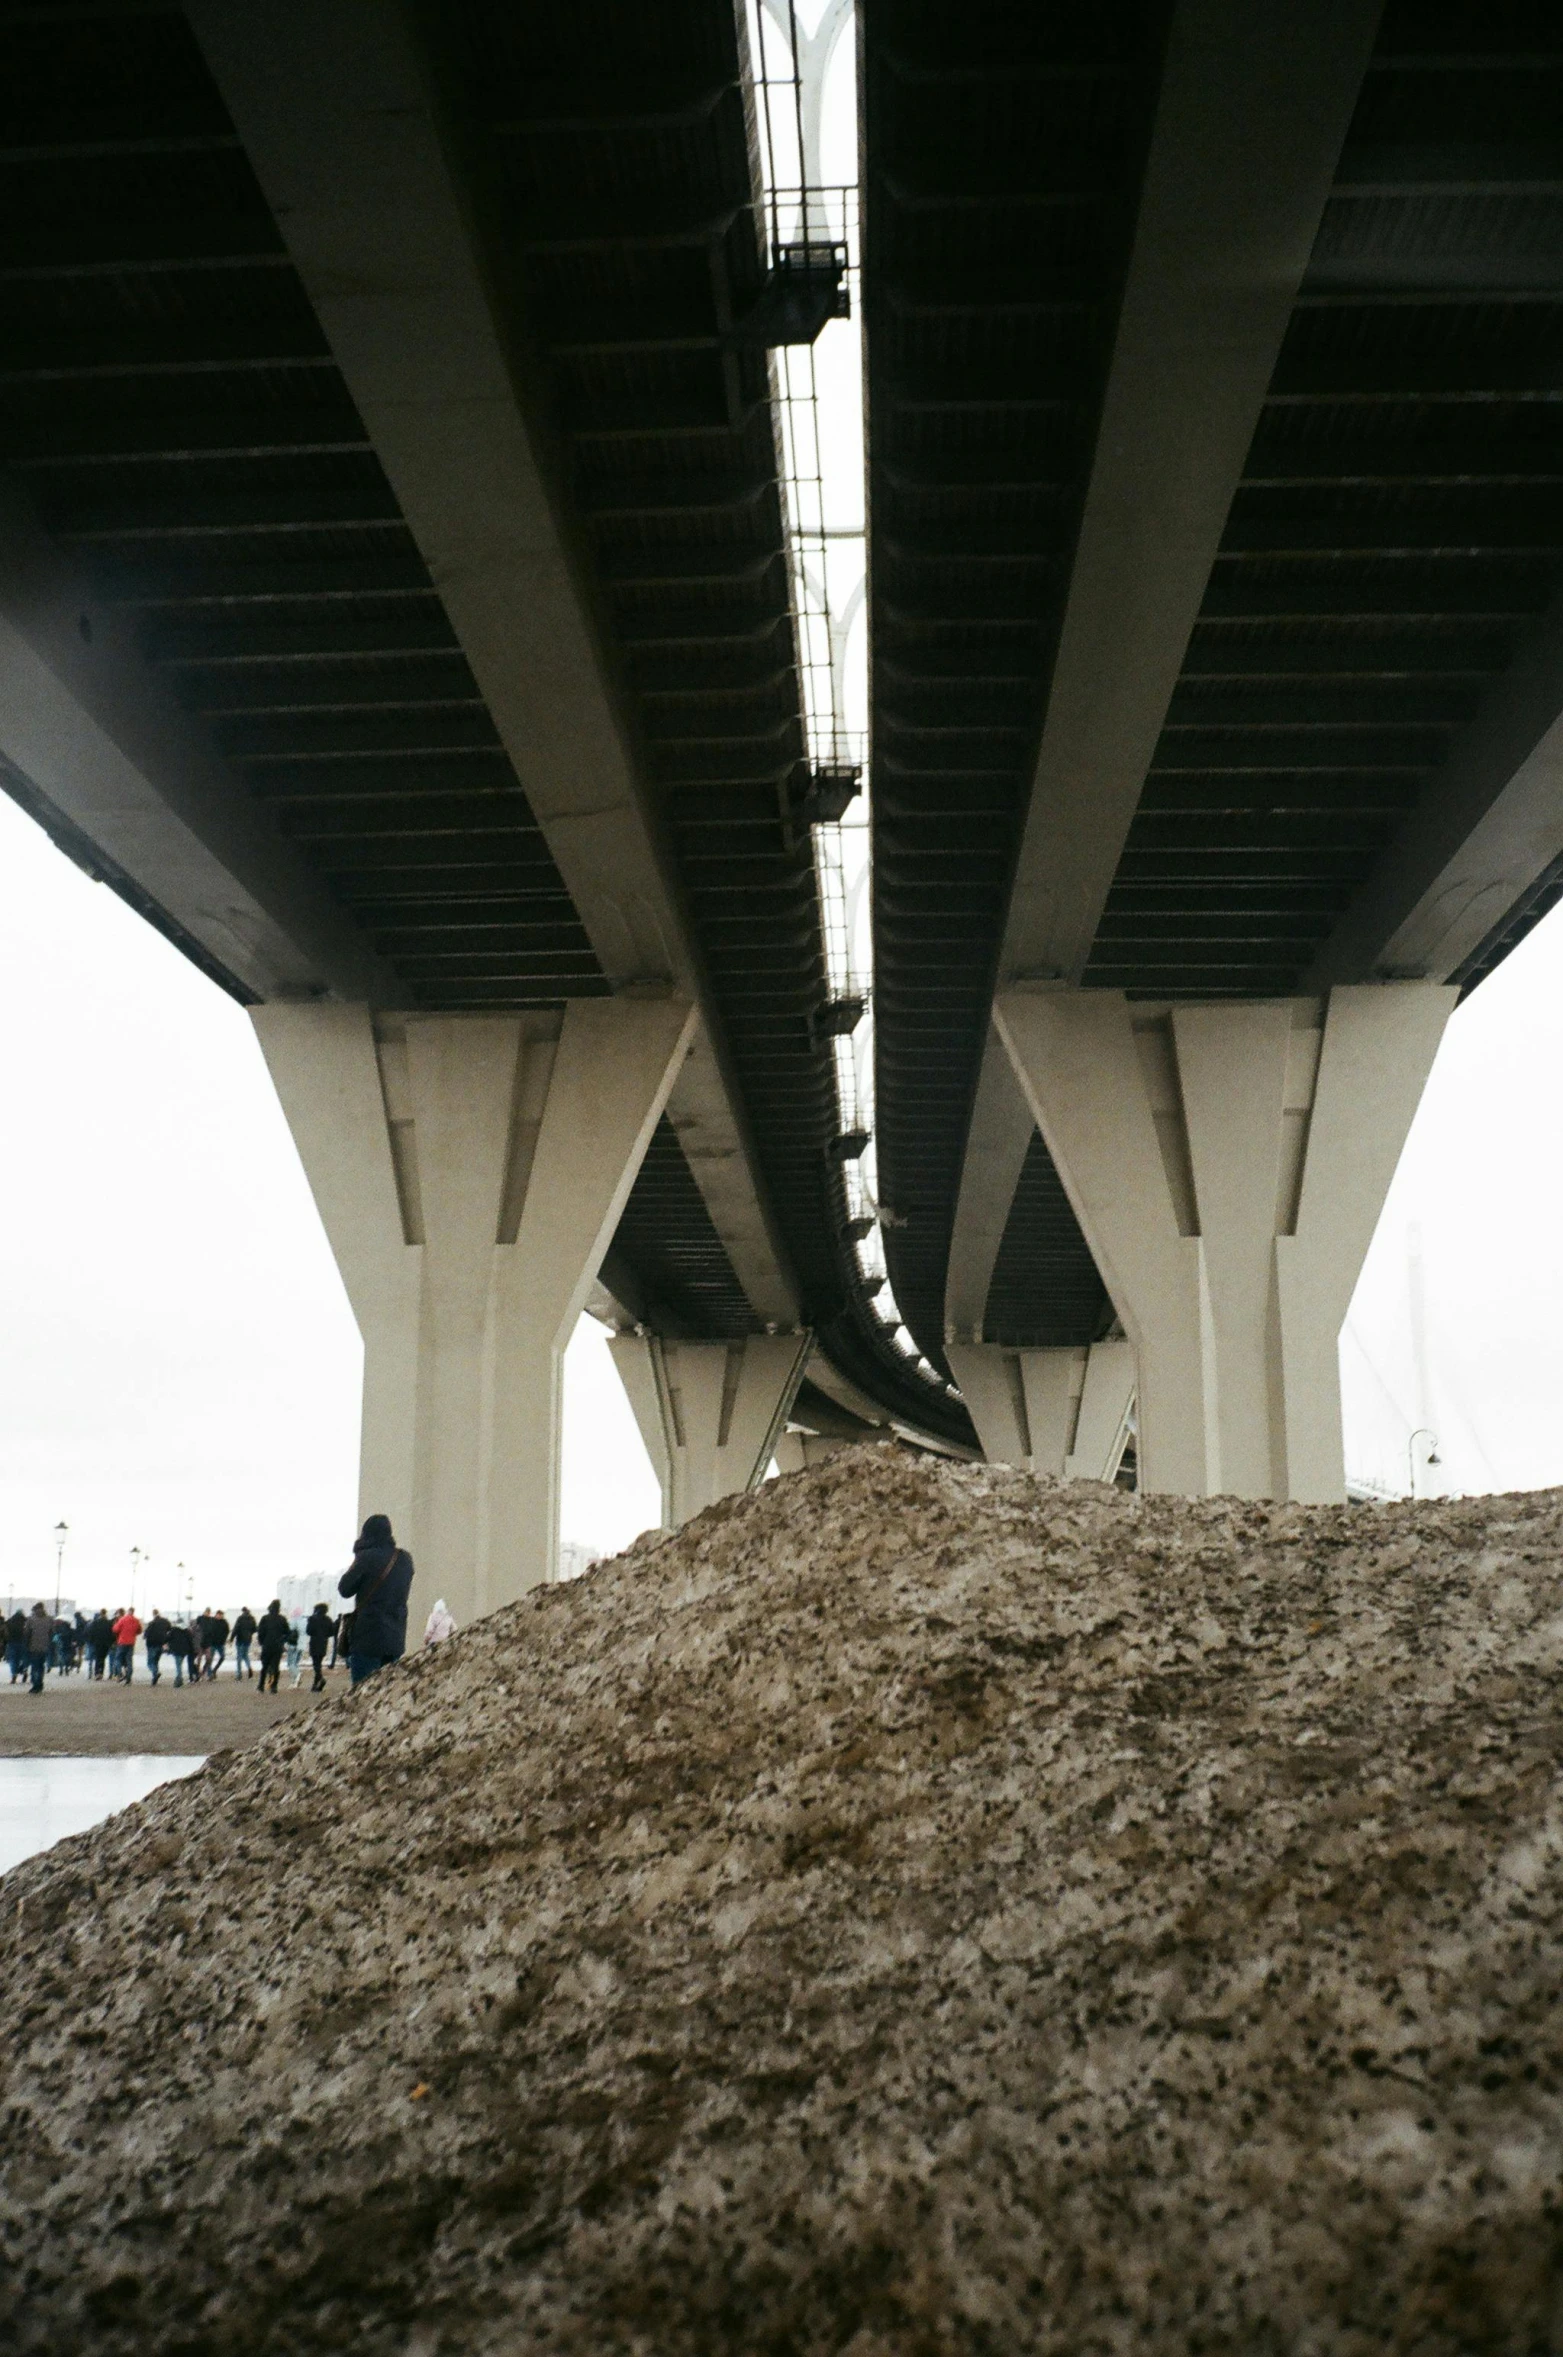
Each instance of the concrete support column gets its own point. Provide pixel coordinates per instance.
(470, 1171)
(1064, 1412)
(710, 1413)
(1104, 1420)
(1227, 1165)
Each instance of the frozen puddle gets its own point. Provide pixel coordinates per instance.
(42, 1800)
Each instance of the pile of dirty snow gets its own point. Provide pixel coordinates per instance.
(918, 1910)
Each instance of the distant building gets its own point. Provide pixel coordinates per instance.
(303, 1592)
(32, 1596)
(576, 1557)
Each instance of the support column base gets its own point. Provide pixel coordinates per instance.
(1227, 1164)
(1064, 1412)
(710, 1413)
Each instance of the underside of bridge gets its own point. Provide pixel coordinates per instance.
(398, 602)
(175, 420)
(1389, 546)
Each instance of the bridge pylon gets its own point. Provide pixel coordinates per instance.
(1065, 1411)
(1227, 1163)
(711, 1413)
(470, 1171)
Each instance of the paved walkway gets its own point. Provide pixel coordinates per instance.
(95, 1718)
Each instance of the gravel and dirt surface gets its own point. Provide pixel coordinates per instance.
(917, 1911)
(77, 1717)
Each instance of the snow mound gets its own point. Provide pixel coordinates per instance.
(918, 1909)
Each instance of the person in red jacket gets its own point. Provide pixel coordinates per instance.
(126, 1630)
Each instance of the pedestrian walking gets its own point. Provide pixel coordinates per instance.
(16, 1646)
(100, 1642)
(272, 1636)
(243, 1636)
(217, 1641)
(180, 1652)
(317, 1632)
(295, 1645)
(158, 1631)
(440, 1623)
(40, 1634)
(200, 1643)
(126, 1630)
(378, 1582)
(342, 1638)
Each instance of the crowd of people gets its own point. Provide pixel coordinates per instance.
(370, 1633)
(187, 1650)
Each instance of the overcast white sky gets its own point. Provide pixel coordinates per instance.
(181, 1369)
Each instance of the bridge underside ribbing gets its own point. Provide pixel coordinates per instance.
(624, 182)
(175, 415)
(417, 493)
(1372, 624)
(1003, 152)
(1397, 526)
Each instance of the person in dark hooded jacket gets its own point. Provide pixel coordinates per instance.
(272, 1636)
(244, 1629)
(157, 1633)
(40, 1633)
(100, 1642)
(181, 1652)
(378, 1583)
(317, 1632)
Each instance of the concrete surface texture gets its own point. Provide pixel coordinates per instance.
(918, 1908)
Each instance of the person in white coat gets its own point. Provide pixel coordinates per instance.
(439, 1624)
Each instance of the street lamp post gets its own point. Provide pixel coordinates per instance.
(62, 1531)
(1422, 1432)
(136, 1560)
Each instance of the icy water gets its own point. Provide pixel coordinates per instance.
(43, 1800)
